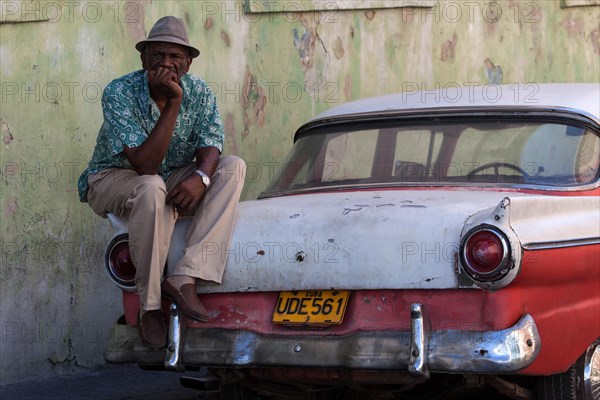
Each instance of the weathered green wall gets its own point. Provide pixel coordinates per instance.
(270, 71)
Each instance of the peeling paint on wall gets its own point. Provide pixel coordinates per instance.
(595, 39)
(448, 49)
(574, 27)
(208, 23)
(493, 72)
(338, 48)
(225, 38)
(253, 101)
(305, 43)
(7, 136)
(11, 207)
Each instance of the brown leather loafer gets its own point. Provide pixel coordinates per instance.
(152, 329)
(186, 299)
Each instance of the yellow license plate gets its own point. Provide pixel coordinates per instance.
(311, 307)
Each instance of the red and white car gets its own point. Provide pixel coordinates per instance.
(413, 245)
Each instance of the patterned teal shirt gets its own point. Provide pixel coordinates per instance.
(130, 115)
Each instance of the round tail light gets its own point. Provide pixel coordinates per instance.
(119, 265)
(485, 254)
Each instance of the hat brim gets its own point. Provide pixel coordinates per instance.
(194, 52)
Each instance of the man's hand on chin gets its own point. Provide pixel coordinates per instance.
(163, 83)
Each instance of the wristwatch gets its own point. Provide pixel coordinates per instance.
(205, 178)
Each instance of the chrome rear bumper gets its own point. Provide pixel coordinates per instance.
(419, 351)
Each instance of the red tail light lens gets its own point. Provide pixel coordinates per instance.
(119, 265)
(485, 254)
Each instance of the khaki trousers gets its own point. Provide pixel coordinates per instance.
(141, 200)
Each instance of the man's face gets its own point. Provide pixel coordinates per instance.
(173, 57)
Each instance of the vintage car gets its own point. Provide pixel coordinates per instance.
(410, 246)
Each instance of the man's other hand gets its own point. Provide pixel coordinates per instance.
(186, 196)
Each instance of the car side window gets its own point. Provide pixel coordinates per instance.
(588, 158)
(350, 156)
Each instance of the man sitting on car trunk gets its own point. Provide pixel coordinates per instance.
(157, 157)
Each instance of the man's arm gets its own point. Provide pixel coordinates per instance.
(187, 195)
(207, 159)
(146, 158)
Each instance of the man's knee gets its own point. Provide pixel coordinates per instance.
(232, 168)
(150, 188)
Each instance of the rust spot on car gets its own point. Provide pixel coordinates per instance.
(208, 23)
(349, 210)
(229, 314)
(481, 352)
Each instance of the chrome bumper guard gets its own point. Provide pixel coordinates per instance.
(419, 351)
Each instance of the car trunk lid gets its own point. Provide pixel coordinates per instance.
(388, 239)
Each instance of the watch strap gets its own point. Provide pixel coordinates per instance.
(205, 178)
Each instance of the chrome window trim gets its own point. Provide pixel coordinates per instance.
(410, 185)
(561, 244)
(451, 112)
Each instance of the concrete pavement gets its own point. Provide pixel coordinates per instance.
(118, 382)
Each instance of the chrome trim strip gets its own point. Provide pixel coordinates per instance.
(433, 185)
(492, 351)
(173, 356)
(561, 244)
(127, 286)
(417, 363)
(454, 351)
(591, 372)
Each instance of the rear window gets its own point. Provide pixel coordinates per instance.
(486, 153)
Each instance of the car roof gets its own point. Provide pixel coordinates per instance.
(581, 98)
